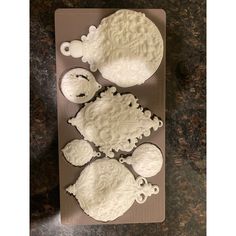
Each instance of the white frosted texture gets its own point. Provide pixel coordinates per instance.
(126, 47)
(106, 189)
(79, 85)
(146, 160)
(79, 152)
(114, 122)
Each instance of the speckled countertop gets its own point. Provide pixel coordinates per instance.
(185, 121)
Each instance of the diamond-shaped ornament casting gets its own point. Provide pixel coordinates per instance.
(115, 122)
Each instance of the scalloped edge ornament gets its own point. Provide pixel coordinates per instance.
(114, 122)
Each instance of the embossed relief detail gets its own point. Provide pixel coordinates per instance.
(127, 48)
(114, 122)
(146, 160)
(106, 189)
(79, 152)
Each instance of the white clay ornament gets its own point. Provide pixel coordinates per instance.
(79, 85)
(79, 152)
(114, 122)
(106, 189)
(127, 48)
(146, 160)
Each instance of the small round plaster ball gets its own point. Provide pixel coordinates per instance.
(79, 152)
(79, 85)
(146, 160)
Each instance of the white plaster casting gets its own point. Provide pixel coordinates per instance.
(79, 85)
(114, 122)
(106, 189)
(146, 160)
(79, 152)
(127, 48)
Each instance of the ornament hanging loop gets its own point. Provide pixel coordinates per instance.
(145, 189)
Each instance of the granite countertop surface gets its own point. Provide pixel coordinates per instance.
(185, 121)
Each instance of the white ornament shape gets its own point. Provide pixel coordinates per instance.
(114, 122)
(146, 160)
(79, 152)
(127, 48)
(106, 189)
(79, 85)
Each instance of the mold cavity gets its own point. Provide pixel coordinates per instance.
(83, 76)
(142, 196)
(156, 189)
(130, 104)
(129, 140)
(142, 184)
(81, 95)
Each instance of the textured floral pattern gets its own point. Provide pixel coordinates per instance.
(185, 111)
(127, 48)
(106, 189)
(146, 160)
(79, 152)
(114, 122)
